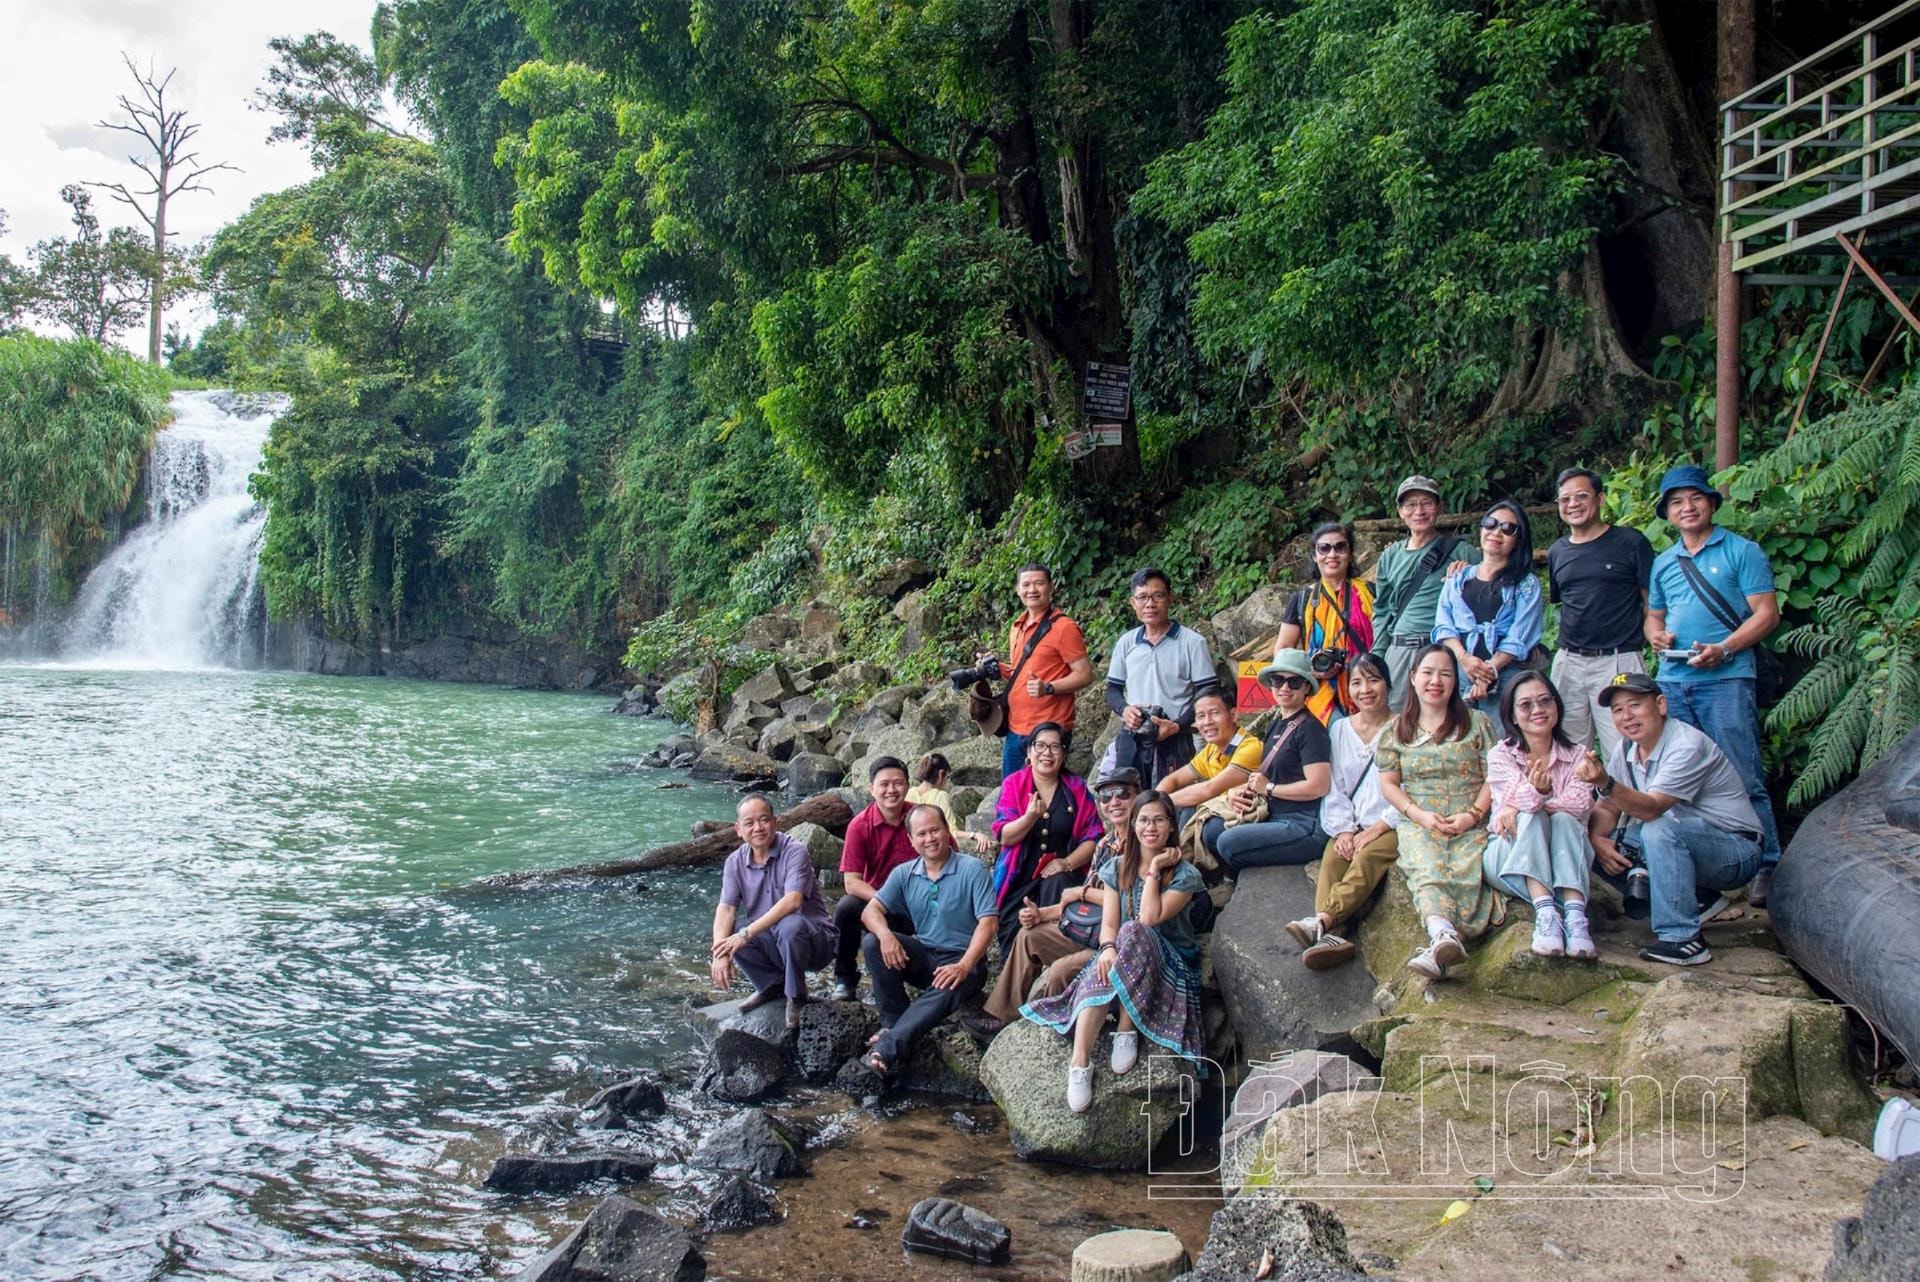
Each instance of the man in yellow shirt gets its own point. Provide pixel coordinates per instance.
(1226, 758)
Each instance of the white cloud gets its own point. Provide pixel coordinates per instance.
(60, 71)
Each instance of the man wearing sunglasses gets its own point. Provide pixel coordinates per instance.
(1597, 574)
(1408, 578)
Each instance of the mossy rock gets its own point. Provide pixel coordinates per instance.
(1830, 1096)
(1418, 1051)
(1505, 964)
(1693, 1045)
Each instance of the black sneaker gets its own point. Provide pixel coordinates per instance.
(1688, 952)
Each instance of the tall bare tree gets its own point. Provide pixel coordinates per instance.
(170, 167)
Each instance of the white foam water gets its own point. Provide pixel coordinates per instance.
(182, 592)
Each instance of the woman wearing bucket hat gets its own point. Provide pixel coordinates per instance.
(1295, 772)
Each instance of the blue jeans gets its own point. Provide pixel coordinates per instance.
(1552, 849)
(1689, 852)
(1490, 705)
(1724, 711)
(1013, 751)
(1293, 838)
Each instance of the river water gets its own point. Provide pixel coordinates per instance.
(256, 1017)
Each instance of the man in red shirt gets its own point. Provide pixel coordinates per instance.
(877, 842)
(1058, 668)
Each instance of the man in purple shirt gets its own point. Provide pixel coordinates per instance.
(769, 884)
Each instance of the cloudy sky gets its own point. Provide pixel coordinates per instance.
(60, 71)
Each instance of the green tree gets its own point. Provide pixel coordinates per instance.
(94, 283)
(16, 286)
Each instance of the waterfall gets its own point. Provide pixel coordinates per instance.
(182, 591)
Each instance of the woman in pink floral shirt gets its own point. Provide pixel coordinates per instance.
(1539, 849)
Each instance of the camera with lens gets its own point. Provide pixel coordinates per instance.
(1149, 734)
(988, 669)
(1327, 661)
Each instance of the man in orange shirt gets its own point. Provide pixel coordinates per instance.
(1043, 690)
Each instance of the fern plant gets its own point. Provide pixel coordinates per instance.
(1858, 472)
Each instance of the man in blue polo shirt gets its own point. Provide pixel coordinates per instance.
(949, 899)
(1156, 665)
(1712, 595)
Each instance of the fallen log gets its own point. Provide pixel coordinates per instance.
(828, 810)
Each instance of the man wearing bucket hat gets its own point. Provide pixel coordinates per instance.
(1669, 791)
(1295, 772)
(1711, 595)
(1408, 578)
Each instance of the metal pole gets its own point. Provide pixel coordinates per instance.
(1736, 74)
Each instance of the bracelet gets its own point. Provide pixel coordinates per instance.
(1107, 943)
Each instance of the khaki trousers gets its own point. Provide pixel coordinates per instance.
(1347, 884)
(1035, 948)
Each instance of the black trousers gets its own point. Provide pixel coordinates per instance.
(846, 920)
(904, 1021)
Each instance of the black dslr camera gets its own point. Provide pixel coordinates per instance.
(988, 669)
(1147, 737)
(1327, 662)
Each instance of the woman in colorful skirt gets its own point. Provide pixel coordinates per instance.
(1147, 972)
(1432, 763)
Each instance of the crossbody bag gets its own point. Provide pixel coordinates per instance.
(1769, 674)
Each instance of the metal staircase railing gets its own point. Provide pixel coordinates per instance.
(1826, 149)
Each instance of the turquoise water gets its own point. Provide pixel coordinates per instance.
(257, 1019)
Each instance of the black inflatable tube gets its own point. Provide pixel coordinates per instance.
(1846, 899)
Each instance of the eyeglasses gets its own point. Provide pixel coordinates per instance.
(1046, 745)
(1509, 528)
(1328, 549)
(1148, 598)
(1287, 683)
(1115, 794)
(1579, 496)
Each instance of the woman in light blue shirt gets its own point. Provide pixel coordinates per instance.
(1490, 614)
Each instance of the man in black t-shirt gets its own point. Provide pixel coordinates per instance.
(1598, 574)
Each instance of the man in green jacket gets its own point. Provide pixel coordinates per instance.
(1407, 581)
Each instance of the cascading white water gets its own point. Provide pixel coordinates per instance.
(182, 591)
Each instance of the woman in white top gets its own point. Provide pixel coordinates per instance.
(1362, 843)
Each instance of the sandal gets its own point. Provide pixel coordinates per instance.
(879, 1067)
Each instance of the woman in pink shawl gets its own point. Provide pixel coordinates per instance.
(1046, 823)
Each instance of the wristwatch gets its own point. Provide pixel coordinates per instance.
(1604, 789)
(1047, 686)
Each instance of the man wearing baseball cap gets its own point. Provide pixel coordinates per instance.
(1711, 595)
(1408, 578)
(1671, 793)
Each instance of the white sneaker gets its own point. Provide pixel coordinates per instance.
(1579, 941)
(1549, 932)
(1424, 963)
(1126, 1050)
(1448, 951)
(1307, 931)
(1079, 1088)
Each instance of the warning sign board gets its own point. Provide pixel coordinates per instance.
(1253, 697)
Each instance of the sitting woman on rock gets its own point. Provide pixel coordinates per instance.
(1540, 848)
(1149, 956)
(1046, 824)
(1433, 769)
(1363, 843)
(1490, 614)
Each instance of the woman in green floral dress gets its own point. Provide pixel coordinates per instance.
(1433, 770)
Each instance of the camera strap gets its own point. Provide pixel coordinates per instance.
(1033, 643)
(1339, 612)
(1431, 560)
(1273, 753)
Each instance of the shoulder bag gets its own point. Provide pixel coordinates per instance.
(1431, 560)
(1769, 674)
(988, 709)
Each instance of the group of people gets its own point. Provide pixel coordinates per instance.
(1417, 723)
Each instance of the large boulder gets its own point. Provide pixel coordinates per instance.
(1286, 1081)
(831, 1033)
(741, 1068)
(805, 707)
(542, 1173)
(1277, 1004)
(814, 772)
(770, 686)
(895, 580)
(940, 715)
(1254, 619)
(785, 737)
(745, 719)
(898, 742)
(941, 1226)
(1258, 1236)
(975, 761)
(861, 674)
(920, 622)
(892, 701)
(721, 762)
(944, 1062)
(624, 1101)
(674, 748)
(823, 848)
(770, 631)
(735, 1203)
(1882, 1243)
(750, 1143)
(638, 701)
(1025, 1069)
(621, 1241)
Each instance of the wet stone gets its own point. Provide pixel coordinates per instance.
(534, 1173)
(736, 1203)
(621, 1241)
(941, 1226)
(752, 1143)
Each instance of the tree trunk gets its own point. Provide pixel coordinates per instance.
(828, 810)
(156, 300)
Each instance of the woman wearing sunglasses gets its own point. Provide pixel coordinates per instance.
(1332, 619)
(1433, 769)
(1147, 970)
(1540, 850)
(1294, 773)
(1490, 614)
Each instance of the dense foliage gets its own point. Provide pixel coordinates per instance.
(76, 420)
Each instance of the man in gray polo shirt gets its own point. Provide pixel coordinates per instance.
(1684, 803)
(950, 900)
(1156, 665)
(769, 883)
